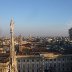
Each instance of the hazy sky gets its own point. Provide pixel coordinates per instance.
(36, 17)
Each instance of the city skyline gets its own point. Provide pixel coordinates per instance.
(40, 17)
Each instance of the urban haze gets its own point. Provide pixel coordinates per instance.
(35, 36)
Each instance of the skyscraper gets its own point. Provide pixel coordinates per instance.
(70, 33)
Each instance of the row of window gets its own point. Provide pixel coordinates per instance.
(60, 59)
(33, 60)
(58, 65)
(52, 68)
(27, 60)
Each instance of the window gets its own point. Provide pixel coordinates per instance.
(18, 66)
(37, 65)
(18, 60)
(46, 66)
(63, 64)
(37, 70)
(37, 60)
(18, 70)
(50, 64)
(32, 70)
(71, 58)
(54, 65)
(27, 60)
(63, 59)
(23, 66)
(54, 59)
(23, 70)
(46, 59)
(50, 59)
(28, 70)
(41, 60)
(63, 69)
(59, 64)
(23, 60)
(32, 60)
(32, 65)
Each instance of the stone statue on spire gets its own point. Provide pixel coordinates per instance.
(12, 25)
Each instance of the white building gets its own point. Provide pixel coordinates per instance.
(49, 61)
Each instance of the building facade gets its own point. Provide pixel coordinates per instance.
(45, 63)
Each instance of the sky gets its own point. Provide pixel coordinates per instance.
(36, 17)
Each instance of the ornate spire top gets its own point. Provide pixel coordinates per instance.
(12, 25)
(12, 21)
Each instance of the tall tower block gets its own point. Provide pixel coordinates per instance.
(13, 63)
